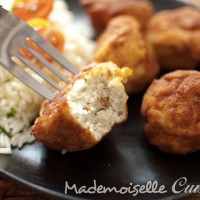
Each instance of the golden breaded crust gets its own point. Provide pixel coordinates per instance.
(101, 11)
(59, 129)
(171, 107)
(174, 34)
(122, 43)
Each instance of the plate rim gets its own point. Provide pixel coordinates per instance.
(58, 195)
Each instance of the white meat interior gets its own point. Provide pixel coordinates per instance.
(98, 102)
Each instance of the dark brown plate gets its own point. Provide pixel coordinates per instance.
(122, 158)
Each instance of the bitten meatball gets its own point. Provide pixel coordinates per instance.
(85, 110)
(171, 107)
(122, 43)
(101, 11)
(174, 34)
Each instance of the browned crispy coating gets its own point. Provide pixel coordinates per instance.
(59, 128)
(101, 11)
(174, 34)
(122, 43)
(171, 107)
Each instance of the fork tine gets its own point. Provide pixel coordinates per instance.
(44, 61)
(39, 40)
(28, 63)
(16, 31)
(54, 53)
(23, 76)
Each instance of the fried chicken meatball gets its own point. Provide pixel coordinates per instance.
(85, 110)
(122, 43)
(101, 11)
(174, 34)
(171, 107)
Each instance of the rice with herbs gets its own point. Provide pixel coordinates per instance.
(19, 105)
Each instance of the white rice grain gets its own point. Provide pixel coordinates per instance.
(5, 146)
(15, 96)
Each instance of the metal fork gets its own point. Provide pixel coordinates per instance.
(13, 36)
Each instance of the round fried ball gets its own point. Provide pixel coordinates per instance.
(171, 107)
(101, 11)
(174, 34)
(85, 111)
(122, 42)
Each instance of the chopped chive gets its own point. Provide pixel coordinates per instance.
(3, 131)
(6, 81)
(12, 113)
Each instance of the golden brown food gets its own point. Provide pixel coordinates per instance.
(174, 34)
(171, 107)
(122, 43)
(101, 11)
(85, 110)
